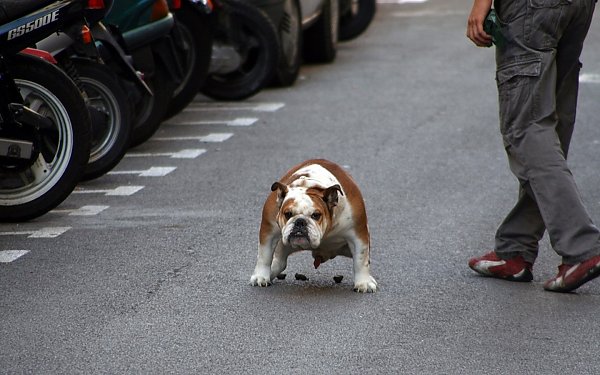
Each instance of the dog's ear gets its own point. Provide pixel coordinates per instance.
(330, 196)
(281, 193)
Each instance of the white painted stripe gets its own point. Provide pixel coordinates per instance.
(243, 122)
(50, 232)
(83, 211)
(125, 190)
(210, 138)
(7, 256)
(157, 171)
(183, 154)
(88, 210)
(589, 78)
(188, 154)
(120, 190)
(235, 122)
(150, 172)
(256, 107)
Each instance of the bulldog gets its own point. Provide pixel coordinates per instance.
(315, 206)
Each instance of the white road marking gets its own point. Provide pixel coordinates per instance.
(243, 121)
(90, 210)
(589, 78)
(120, 191)
(48, 232)
(210, 138)
(256, 107)
(183, 154)
(151, 172)
(7, 256)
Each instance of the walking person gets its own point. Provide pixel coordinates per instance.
(537, 73)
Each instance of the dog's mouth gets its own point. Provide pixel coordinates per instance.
(299, 239)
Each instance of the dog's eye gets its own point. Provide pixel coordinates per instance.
(316, 215)
(288, 215)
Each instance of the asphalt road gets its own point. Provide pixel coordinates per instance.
(147, 270)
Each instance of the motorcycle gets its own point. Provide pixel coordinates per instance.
(144, 31)
(109, 84)
(44, 127)
(193, 39)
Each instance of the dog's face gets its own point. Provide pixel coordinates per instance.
(304, 214)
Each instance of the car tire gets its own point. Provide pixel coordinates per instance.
(320, 39)
(357, 18)
(258, 46)
(290, 38)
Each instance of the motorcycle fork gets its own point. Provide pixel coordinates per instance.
(19, 126)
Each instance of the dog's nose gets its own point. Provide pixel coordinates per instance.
(300, 223)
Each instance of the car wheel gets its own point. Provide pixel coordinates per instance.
(356, 18)
(290, 37)
(320, 39)
(247, 30)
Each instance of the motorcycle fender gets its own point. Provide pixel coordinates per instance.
(164, 51)
(41, 54)
(108, 44)
(55, 43)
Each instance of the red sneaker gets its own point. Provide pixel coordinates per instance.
(514, 269)
(572, 276)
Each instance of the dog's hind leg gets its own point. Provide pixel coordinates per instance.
(363, 281)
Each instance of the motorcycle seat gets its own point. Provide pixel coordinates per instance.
(11, 10)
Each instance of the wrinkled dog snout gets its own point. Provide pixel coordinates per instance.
(300, 227)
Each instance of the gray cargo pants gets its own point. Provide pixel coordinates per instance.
(538, 79)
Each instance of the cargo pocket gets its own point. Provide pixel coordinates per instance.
(516, 82)
(542, 23)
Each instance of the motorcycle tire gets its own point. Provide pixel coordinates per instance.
(258, 46)
(357, 18)
(152, 108)
(320, 39)
(111, 125)
(193, 45)
(290, 37)
(47, 90)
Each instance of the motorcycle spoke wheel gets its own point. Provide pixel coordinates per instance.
(30, 189)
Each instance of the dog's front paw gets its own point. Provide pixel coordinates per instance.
(365, 285)
(258, 280)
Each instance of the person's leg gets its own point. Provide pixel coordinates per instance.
(530, 71)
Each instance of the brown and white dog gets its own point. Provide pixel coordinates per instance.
(315, 206)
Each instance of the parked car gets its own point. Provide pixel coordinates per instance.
(308, 29)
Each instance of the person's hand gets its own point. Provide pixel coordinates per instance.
(475, 23)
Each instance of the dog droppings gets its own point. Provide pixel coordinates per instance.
(281, 276)
(300, 276)
(338, 278)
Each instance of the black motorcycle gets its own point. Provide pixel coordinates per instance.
(44, 124)
(109, 84)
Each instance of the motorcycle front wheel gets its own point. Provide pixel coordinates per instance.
(193, 43)
(29, 192)
(151, 109)
(111, 122)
